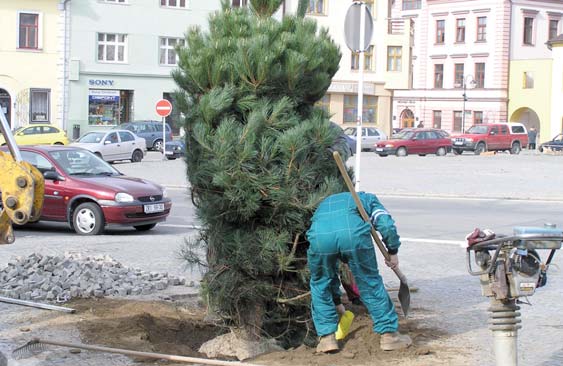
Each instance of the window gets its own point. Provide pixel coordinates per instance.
(103, 107)
(457, 121)
(553, 28)
(174, 3)
(458, 76)
(481, 29)
(528, 30)
(39, 105)
(439, 76)
(411, 4)
(316, 7)
(503, 130)
(528, 80)
(394, 56)
(112, 138)
(440, 31)
(239, 3)
(368, 60)
(28, 31)
(369, 114)
(112, 47)
(477, 117)
(168, 54)
(480, 75)
(460, 30)
(437, 119)
(324, 103)
(38, 161)
(126, 136)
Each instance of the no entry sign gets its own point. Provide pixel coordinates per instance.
(163, 108)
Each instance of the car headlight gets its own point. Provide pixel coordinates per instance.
(164, 193)
(469, 140)
(389, 145)
(123, 197)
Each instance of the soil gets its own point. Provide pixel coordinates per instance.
(179, 327)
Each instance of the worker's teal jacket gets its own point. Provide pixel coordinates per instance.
(338, 233)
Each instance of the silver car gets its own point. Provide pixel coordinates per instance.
(114, 145)
(370, 135)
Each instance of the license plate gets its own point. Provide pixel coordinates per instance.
(169, 152)
(458, 143)
(156, 207)
(379, 149)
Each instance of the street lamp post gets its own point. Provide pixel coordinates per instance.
(464, 81)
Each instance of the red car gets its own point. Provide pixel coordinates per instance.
(89, 194)
(419, 141)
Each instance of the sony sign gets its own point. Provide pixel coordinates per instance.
(100, 82)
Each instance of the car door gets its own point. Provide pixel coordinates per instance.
(54, 204)
(431, 142)
(417, 143)
(370, 136)
(110, 149)
(29, 136)
(127, 144)
(494, 139)
(505, 139)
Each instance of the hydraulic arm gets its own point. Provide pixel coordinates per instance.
(21, 187)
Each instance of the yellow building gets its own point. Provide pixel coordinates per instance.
(32, 67)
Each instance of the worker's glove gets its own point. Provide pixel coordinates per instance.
(393, 261)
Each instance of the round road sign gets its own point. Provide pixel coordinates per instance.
(352, 31)
(163, 108)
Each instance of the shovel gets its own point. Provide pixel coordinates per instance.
(404, 291)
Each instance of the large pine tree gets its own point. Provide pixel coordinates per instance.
(258, 158)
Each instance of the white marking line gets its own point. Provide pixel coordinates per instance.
(412, 240)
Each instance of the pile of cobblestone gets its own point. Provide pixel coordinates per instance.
(60, 278)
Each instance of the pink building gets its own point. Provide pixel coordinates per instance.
(460, 63)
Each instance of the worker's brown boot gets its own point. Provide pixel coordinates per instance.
(394, 341)
(327, 344)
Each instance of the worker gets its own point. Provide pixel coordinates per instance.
(338, 233)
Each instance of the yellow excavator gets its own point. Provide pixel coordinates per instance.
(21, 187)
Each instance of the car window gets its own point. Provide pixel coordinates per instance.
(517, 129)
(32, 130)
(144, 127)
(350, 131)
(37, 160)
(82, 162)
(126, 136)
(558, 138)
(432, 135)
(372, 132)
(504, 130)
(92, 137)
(112, 138)
(495, 130)
(48, 129)
(478, 130)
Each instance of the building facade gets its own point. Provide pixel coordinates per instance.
(34, 35)
(122, 54)
(535, 72)
(387, 62)
(460, 63)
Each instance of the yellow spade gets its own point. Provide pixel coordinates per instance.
(344, 325)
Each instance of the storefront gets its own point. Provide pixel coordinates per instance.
(109, 107)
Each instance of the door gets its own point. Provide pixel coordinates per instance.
(370, 136)
(54, 205)
(148, 132)
(494, 140)
(29, 136)
(110, 150)
(6, 105)
(127, 144)
(505, 138)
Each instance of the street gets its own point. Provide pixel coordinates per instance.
(433, 214)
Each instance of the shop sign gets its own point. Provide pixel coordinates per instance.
(100, 82)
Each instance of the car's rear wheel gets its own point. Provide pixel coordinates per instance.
(480, 148)
(58, 143)
(421, 154)
(88, 219)
(457, 151)
(137, 156)
(402, 151)
(99, 155)
(170, 158)
(157, 145)
(144, 227)
(441, 151)
(516, 148)
(383, 155)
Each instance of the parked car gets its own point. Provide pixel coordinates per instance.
(151, 131)
(114, 145)
(421, 141)
(175, 149)
(370, 135)
(89, 194)
(40, 134)
(556, 144)
(491, 137)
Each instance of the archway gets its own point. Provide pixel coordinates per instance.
(407, 118)
(5, 105)
(526, 116)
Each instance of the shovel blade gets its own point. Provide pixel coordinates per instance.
(404, 298)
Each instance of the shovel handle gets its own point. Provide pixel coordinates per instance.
(364, 214)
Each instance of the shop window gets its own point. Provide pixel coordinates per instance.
(480, 75)
(369, 114)
(28, 31)
(394, 58)
(103, 107)
(481, 29)
(324, 103)
(440, 31)
(439, 76)
(437, 119)
(477, 117)
(168, 54)
(39, 105)
(181, 4)
(316, 7)
(457, 121)
(528, 31)
(460, 30)
(112, 47)
(368, 60)
(411, 4)
(458, 75)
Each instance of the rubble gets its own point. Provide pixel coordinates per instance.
(59, 278)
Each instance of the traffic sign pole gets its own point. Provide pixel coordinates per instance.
(163, 109)
(163, 138)
(360, 113)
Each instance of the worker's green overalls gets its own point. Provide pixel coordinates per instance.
(338, 233)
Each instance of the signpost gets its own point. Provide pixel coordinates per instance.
(358, 30)
(163, 109)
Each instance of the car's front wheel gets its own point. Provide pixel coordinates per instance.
(88, 219)
(516, 148)
(137, 156)
(402, 151)
(144, 227)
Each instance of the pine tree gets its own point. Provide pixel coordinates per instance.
(258, 159)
